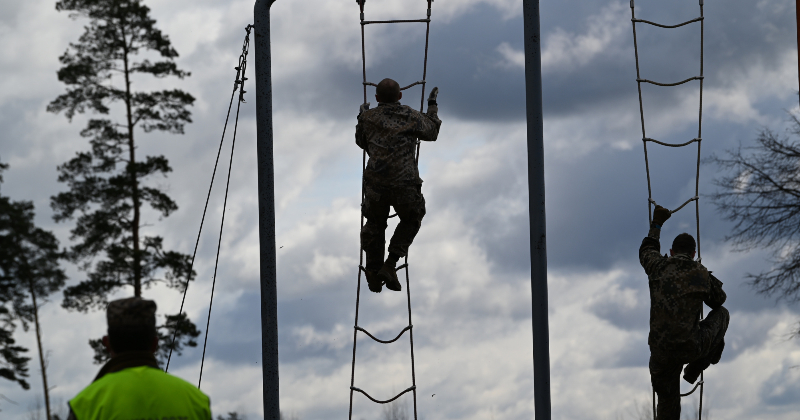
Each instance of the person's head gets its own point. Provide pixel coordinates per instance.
(683, 244)
(388, 91)
(131, 326)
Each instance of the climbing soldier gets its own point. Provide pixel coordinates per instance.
(389, 135)
(131, 385)
(678, 287)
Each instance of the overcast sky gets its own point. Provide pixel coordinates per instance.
(470, 267)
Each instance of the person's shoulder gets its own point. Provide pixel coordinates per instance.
(367, 113)
(409, 110)
(176, 380)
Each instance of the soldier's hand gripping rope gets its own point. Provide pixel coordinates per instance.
(432, 96)
(660, 215)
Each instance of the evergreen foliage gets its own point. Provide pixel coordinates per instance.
(28, 262)
(108, 184)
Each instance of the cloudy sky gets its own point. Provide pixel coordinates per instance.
(470, 269)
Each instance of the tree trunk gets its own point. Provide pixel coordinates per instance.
(41, 354)
(137, 263)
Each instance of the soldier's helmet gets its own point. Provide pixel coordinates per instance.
(131, 313)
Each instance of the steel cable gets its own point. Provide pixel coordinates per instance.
(236, 86)
(243, 67)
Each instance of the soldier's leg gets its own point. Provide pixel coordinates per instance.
(712, 342)
(410, 207)
(409, 204)
(665, 377)
(373, 233)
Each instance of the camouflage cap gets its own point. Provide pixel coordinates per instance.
(131, 312)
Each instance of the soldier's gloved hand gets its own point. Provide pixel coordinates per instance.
(660, 215)
(363, 107)
(432, 96)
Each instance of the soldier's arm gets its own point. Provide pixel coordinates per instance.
(427, 125)
(650, 250)
(361, 137)
(716, 296)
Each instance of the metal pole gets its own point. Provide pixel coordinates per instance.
(266, 212)
(533, 101)
(797, 27)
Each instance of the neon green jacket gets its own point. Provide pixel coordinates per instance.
(140, 393)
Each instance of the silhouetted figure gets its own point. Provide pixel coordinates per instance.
(131, 385)
(678, 287)
(389, 134)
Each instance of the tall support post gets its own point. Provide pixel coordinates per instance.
(533, 102)
(266, 211)
(797, 27)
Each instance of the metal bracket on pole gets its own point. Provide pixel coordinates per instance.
(533, 101)
(266, 211)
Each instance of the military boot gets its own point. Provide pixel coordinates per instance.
(374, 282)
(388, 274)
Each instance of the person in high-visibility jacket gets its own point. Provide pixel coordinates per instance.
(131, 385)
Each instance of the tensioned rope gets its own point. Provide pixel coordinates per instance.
(698, 140)
(238, 84)
(409, 328)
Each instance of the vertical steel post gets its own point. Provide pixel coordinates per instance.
(797, 27)
(266, 211)
(533, 101)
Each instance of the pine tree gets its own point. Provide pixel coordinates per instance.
(108, 184)
(29, 270)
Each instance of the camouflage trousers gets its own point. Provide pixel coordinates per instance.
(666, 366)
(409, 204)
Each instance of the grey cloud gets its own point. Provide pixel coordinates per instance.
(634, 353)
(615, 309)
(782, 387)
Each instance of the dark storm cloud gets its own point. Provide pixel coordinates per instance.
(465, 63)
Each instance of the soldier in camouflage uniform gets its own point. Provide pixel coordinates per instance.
(678, 288)
(389, 135)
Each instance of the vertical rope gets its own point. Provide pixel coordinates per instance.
(697, 182)
(641, 114)
(424, 74)
(361, 208)
(411, 340)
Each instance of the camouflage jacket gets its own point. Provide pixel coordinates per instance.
(678, 288)
(389, 134)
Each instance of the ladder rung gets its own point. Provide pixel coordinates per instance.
(670, 84)
(361, 267)
(695, 198)
(667, 26)
(411, 388)
(693, 389)
(419, 82)
(367, 22)
(671, 144)
(384, 341)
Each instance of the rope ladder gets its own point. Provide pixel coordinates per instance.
(409, 328)
(698, 140)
